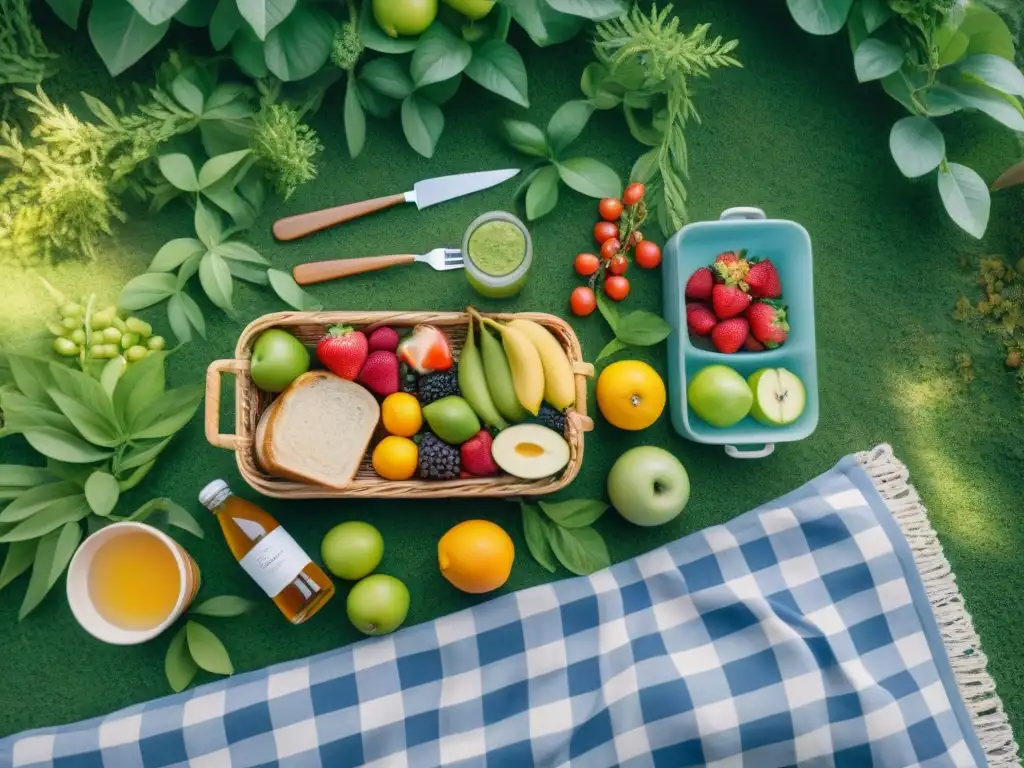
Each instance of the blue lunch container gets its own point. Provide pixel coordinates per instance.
(788, 246)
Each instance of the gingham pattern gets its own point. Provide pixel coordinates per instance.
(798, 633)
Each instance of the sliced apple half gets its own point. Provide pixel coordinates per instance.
(530, 451)
(779, 396)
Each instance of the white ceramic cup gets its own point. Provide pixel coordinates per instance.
(85, 610)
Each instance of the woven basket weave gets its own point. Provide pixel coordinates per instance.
(310, 327)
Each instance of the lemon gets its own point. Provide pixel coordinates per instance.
(395, 458)
(404, 17)
(476, 556)
(401, 414)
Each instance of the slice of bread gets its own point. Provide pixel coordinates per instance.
(317, 430)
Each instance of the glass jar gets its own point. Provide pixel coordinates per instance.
(497, 257)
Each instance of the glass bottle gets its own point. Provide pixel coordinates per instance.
(266, 551)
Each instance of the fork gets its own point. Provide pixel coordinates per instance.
(441, 259)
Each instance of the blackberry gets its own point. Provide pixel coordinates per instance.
(438, 460)
(434, 386)
(551, 418)
(408, 379)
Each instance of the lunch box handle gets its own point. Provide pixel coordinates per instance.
(212, 415)
(733, 452)
(742, 212)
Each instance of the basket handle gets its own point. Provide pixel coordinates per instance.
(582, 371)
(212, 415)
(738, 453)
(742, 212)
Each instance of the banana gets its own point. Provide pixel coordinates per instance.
(524, 360)
(473, 383)
(559, 384)
(499, 378)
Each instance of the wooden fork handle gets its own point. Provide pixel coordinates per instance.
(302, 224)
(319, 271)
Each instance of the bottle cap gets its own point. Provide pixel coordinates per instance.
(213, 495)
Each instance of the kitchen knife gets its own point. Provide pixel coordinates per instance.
(424, 193)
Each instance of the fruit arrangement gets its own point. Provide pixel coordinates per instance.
(720, 396)
(83, 330)
(495, 405)
(736, 303)
(617, 234)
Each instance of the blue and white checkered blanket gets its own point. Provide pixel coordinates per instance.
(798, 633)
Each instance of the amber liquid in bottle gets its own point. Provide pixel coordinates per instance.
(297, 585)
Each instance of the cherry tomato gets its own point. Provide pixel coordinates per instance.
(618, 264)
(617, 287)
(610, 209)
(605, 230)
(610, 247)
(635, 238)
(647, 254)
(587, 264)
(582, 301)
(633, 194)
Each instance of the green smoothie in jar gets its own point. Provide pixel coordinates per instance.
(498, 253)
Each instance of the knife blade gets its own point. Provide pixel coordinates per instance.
(424, 193)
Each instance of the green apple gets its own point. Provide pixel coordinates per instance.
(352, 550)
(719, 395)
(378, 604)
(278, 358)
(404, 17)
(779, 396)
(648, 485)
(472, 9)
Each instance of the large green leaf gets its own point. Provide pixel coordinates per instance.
(875, 13)
(196, 13)
(917, 146)
(224, 606)
(32, 376)
(83, 388)
(96, 427)
(209, 226)
(141, 453)
(301, 44)
(995, 72)
(568, 123)
(147, 289)
(248, 52)
(141, 386)
(35, 499)
(575, 513)
(542, 194)
(1000, 107)
(875, 59)
(820, 17)
(986, 32)
(208, 652)
(216, 168)
(53, 553)
(499, 68)
(439, 55)
(182, 308)
(157, 11)
(355, 119)
(536, 531)
(20, 476)
(264, 15)
(169, 414)
(20, 555)
(179, 666)
(422, 122)
(288, 290)
(120, 35)
(66, 10)
(590, 177)
(69, 509)
(174, 253)
(593, 10)
(224, 23)
(580, 550)
(966, 197)
(101, 492)
(58, 444)
(387, 76)
(526, 138)
(542, 23)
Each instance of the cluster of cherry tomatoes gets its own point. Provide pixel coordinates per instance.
(617, 234)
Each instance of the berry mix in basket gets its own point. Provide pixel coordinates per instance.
(736, 303)
(431, 411)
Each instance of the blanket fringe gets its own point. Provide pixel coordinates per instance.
(891, 479)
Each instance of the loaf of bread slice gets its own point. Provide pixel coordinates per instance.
(317, 430)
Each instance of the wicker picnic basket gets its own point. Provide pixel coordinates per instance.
(309, 327)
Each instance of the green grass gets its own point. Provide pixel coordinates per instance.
(792, 133)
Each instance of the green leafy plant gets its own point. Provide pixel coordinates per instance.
(548, 22)
(646, 64)
(584, 174)
(195, 647)
(24, 57)
(635, 329)
(563, 534)
(934, 57)
(218, 260)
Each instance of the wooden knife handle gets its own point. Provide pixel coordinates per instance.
(319, 271)
(302, 224)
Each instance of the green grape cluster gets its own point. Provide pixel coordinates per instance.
(101, 334)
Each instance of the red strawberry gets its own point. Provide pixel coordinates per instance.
(384, 338)
(752, 344)
(729, 335)
(729, 301)
(726, 258)
(699, 285)
(380, 373)
(700, 319)
(476, 455)
(768, 323)
(343, 351)
(763, 280)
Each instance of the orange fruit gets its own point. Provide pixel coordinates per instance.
(401, 414)
(395, 458)
(476, 556)
(630, 394)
